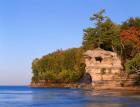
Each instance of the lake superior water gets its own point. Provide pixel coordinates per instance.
(22, 96)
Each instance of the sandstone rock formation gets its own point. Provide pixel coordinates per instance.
(99, 61)
(106, 70)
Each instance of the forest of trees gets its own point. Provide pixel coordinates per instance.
(60, 66)
(68, 65)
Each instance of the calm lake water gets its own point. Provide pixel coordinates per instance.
(21, 96)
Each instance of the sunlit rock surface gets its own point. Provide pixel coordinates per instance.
(106, 71)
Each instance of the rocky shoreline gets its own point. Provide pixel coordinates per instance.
(61, 85)
(84, 86)
(131, 83)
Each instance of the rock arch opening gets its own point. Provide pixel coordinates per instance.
(87, 78)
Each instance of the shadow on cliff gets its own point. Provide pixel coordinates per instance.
(86, 79)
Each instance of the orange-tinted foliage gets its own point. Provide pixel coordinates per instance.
(131, 34)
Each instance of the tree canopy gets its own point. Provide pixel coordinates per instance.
(59, 66)
(104, 34)
(130, 37)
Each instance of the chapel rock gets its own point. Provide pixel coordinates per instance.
(102, 66)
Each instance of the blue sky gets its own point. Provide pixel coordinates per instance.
(32, 28)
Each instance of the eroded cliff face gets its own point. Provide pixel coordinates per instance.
(106, 71)
(117, 81)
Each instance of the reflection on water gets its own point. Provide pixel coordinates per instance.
(114, 99)
(29, 97)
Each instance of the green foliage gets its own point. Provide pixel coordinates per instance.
(133, 65)
(105, 34)
(59, 66)
(90, 39)
(131, 22)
